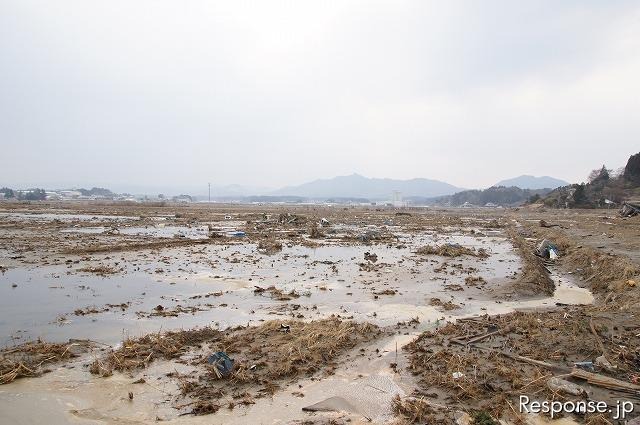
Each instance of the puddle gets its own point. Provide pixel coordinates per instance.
(328, 279)
(160, 231)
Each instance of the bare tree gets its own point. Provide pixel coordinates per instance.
(599, 175)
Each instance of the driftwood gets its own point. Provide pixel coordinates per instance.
(527, 360)
(605, 381)
(474, 338)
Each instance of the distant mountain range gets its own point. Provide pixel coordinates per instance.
(354, 187)
(533, 182)
(359, 186)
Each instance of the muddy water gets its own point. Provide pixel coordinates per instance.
(328, 279)
(157, 231)
(48, 217)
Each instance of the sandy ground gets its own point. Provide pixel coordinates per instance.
(114, 273)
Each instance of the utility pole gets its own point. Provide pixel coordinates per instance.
(209, 192)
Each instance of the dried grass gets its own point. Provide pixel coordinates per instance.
(264, 356)
(139, 352)
(478, 377)
(452, 250)
(269, 246)
(27, 360)
(534, 278)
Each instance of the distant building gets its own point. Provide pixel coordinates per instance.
(467, 205)
(70, 194)
(53, 196)
(490, 205)
(182, 198)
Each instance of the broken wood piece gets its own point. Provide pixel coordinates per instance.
(527, 360)
(475, 338)
(605, 381)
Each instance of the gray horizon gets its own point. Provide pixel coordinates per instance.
(272, 94)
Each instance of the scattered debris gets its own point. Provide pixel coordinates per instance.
(99, 270)
(370, 257)
(629, 210)
(277, 294)
(437, 302)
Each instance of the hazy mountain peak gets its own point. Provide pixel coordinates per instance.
(526, 181)
(359, 186)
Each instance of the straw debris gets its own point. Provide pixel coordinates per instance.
(265, 357)
(29, 359)
(451, 250)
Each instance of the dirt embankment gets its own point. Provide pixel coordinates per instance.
(614, 279)
(534, 278)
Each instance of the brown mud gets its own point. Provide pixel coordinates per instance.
(314, 304)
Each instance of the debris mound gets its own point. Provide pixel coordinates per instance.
(262, 357)
(452, 250)
(269, 246)
(139, 352)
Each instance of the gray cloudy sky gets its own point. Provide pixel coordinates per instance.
(267, 93)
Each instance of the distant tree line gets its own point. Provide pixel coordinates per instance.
(604, 188)
(30, 195)
(498, 195)
(8, 193)
(96, 191)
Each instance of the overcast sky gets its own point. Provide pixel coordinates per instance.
(269, 93)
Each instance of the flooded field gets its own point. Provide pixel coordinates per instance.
(105, 280)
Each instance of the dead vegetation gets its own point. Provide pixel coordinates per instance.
(100, 270)
(414, 410)
(447, 306)
(451, 250)
(485, 363)
(264, 356)
(269, 246)
(475, 281)
(607, 274)
(29, 359)
(139, 352)
(276, 294)
(135, 246)
(316, 233)
(96, 310)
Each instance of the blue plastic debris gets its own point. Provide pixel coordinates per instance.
(588, 366)
(222, 363)
(547, 249)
